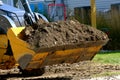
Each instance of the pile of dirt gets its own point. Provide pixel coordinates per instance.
(43, 35)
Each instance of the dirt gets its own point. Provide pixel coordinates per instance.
(77, 71)
(60, 33)
(82, 70)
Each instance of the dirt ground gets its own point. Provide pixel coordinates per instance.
(77, 71)
(82, 70)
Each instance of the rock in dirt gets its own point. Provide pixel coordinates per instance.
(60, 33)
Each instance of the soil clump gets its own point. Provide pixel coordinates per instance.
(61, 33)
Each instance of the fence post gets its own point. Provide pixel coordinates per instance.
(93, 13)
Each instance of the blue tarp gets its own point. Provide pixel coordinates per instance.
(39, 6)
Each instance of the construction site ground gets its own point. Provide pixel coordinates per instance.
(85, 70)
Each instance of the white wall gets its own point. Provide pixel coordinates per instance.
(101, 4)
(105, 4)
(35, 0)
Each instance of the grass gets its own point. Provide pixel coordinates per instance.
(108, 57)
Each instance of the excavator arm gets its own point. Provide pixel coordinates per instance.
(29, 16)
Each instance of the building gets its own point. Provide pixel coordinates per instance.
(102, 5)
(115, 7)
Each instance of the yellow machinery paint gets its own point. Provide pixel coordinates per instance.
(3, 45)
(29, 59)
(7, 60)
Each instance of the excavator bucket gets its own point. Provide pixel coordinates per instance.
(3, 45)
(29, 59)
(6, 59)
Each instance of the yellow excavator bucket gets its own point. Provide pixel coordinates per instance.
(29, 59)
(6, 60)
(3, 45)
